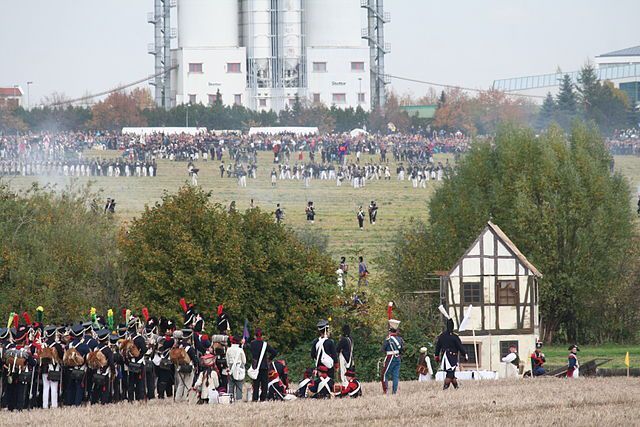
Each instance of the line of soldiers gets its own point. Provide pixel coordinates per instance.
(84, 167)
(145, 358)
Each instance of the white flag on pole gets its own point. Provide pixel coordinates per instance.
(467, 318)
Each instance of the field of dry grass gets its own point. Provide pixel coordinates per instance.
(583, 402)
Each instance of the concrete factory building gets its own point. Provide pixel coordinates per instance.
(262, 53)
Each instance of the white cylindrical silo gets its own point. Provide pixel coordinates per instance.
(208, 23)
(256, 29)
(291, 42)
(333, 23)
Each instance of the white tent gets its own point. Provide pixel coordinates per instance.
(297, 130)
(164, 130)
(358, 132)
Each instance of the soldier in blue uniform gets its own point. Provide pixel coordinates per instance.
(448, 347)
(393, 347)
(19, 377)
(135, 365)
(92, 343)
(75, 377)
(101, 380)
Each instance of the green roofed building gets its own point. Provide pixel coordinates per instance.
(427, 112)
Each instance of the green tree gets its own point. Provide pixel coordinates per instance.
(185, 246)
(567, 104)
(58, 250)
(547, 112)
(556, 199)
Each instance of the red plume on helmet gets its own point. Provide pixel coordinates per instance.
(390, 310)
(26, 318)
(16, 320)
(124, 315)
(220, 309)
(145, 314)
(183, 304)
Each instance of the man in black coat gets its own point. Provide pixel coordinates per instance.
(260, 385)
(345, 353)
(448, 347)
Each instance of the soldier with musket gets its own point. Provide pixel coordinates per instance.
(163, 367)
(51, 366)
(134, 349)
(20, 365)
(151, 337)
(75, 369)
(103, 370)
(448, 349)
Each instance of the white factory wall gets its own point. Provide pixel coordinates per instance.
(334, 23)
(339, 78)
(208, 23)
(214, 76)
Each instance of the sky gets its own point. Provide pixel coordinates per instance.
(80, 46)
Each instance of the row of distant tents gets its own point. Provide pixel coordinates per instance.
(274, 130)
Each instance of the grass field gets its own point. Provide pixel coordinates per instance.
(557, 355)
(582, 402)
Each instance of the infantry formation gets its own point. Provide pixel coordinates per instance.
(143, 358)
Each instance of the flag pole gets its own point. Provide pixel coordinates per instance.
(475, 350)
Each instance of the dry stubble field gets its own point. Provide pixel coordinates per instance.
(583, 402)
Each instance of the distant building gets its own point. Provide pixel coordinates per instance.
(11, 97)
(629, 57)
(500, 283)
(263, 54)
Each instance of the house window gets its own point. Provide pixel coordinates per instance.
(339, 98)
(237, 99)
(361, 97)
(262, 102)
(192, 99)
(316, 98)
(211, 98)
(233, 67)
(504, 347)
(357, 66)
(472, 352)
(507, 292)
(195, 67)
(319, 67)
(471, 293)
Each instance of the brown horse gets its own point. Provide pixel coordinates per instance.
(96, 360)
(179, 356)
(72, 358)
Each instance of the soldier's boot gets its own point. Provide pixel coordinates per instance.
(455, 383)
(447, 383)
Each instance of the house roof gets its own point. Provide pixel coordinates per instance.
(10, 91)
(630, 51)
(512, 247)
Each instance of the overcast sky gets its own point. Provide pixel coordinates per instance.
(74, 46)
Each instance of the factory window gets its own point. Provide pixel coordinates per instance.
(339, 98)
(192, 99)
(357, 66)
(195, 67)
(507, 292)
(233, 67)
(237, 99)
(319, 67)
(316, 98)
(263, 102)
(361, 97)
(471, 293)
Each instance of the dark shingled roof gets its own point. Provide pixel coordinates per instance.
(630, 51)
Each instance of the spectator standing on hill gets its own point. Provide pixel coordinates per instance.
(363, 272)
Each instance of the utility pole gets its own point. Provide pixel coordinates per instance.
(28, 96)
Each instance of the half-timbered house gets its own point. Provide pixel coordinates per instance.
(501, 285)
